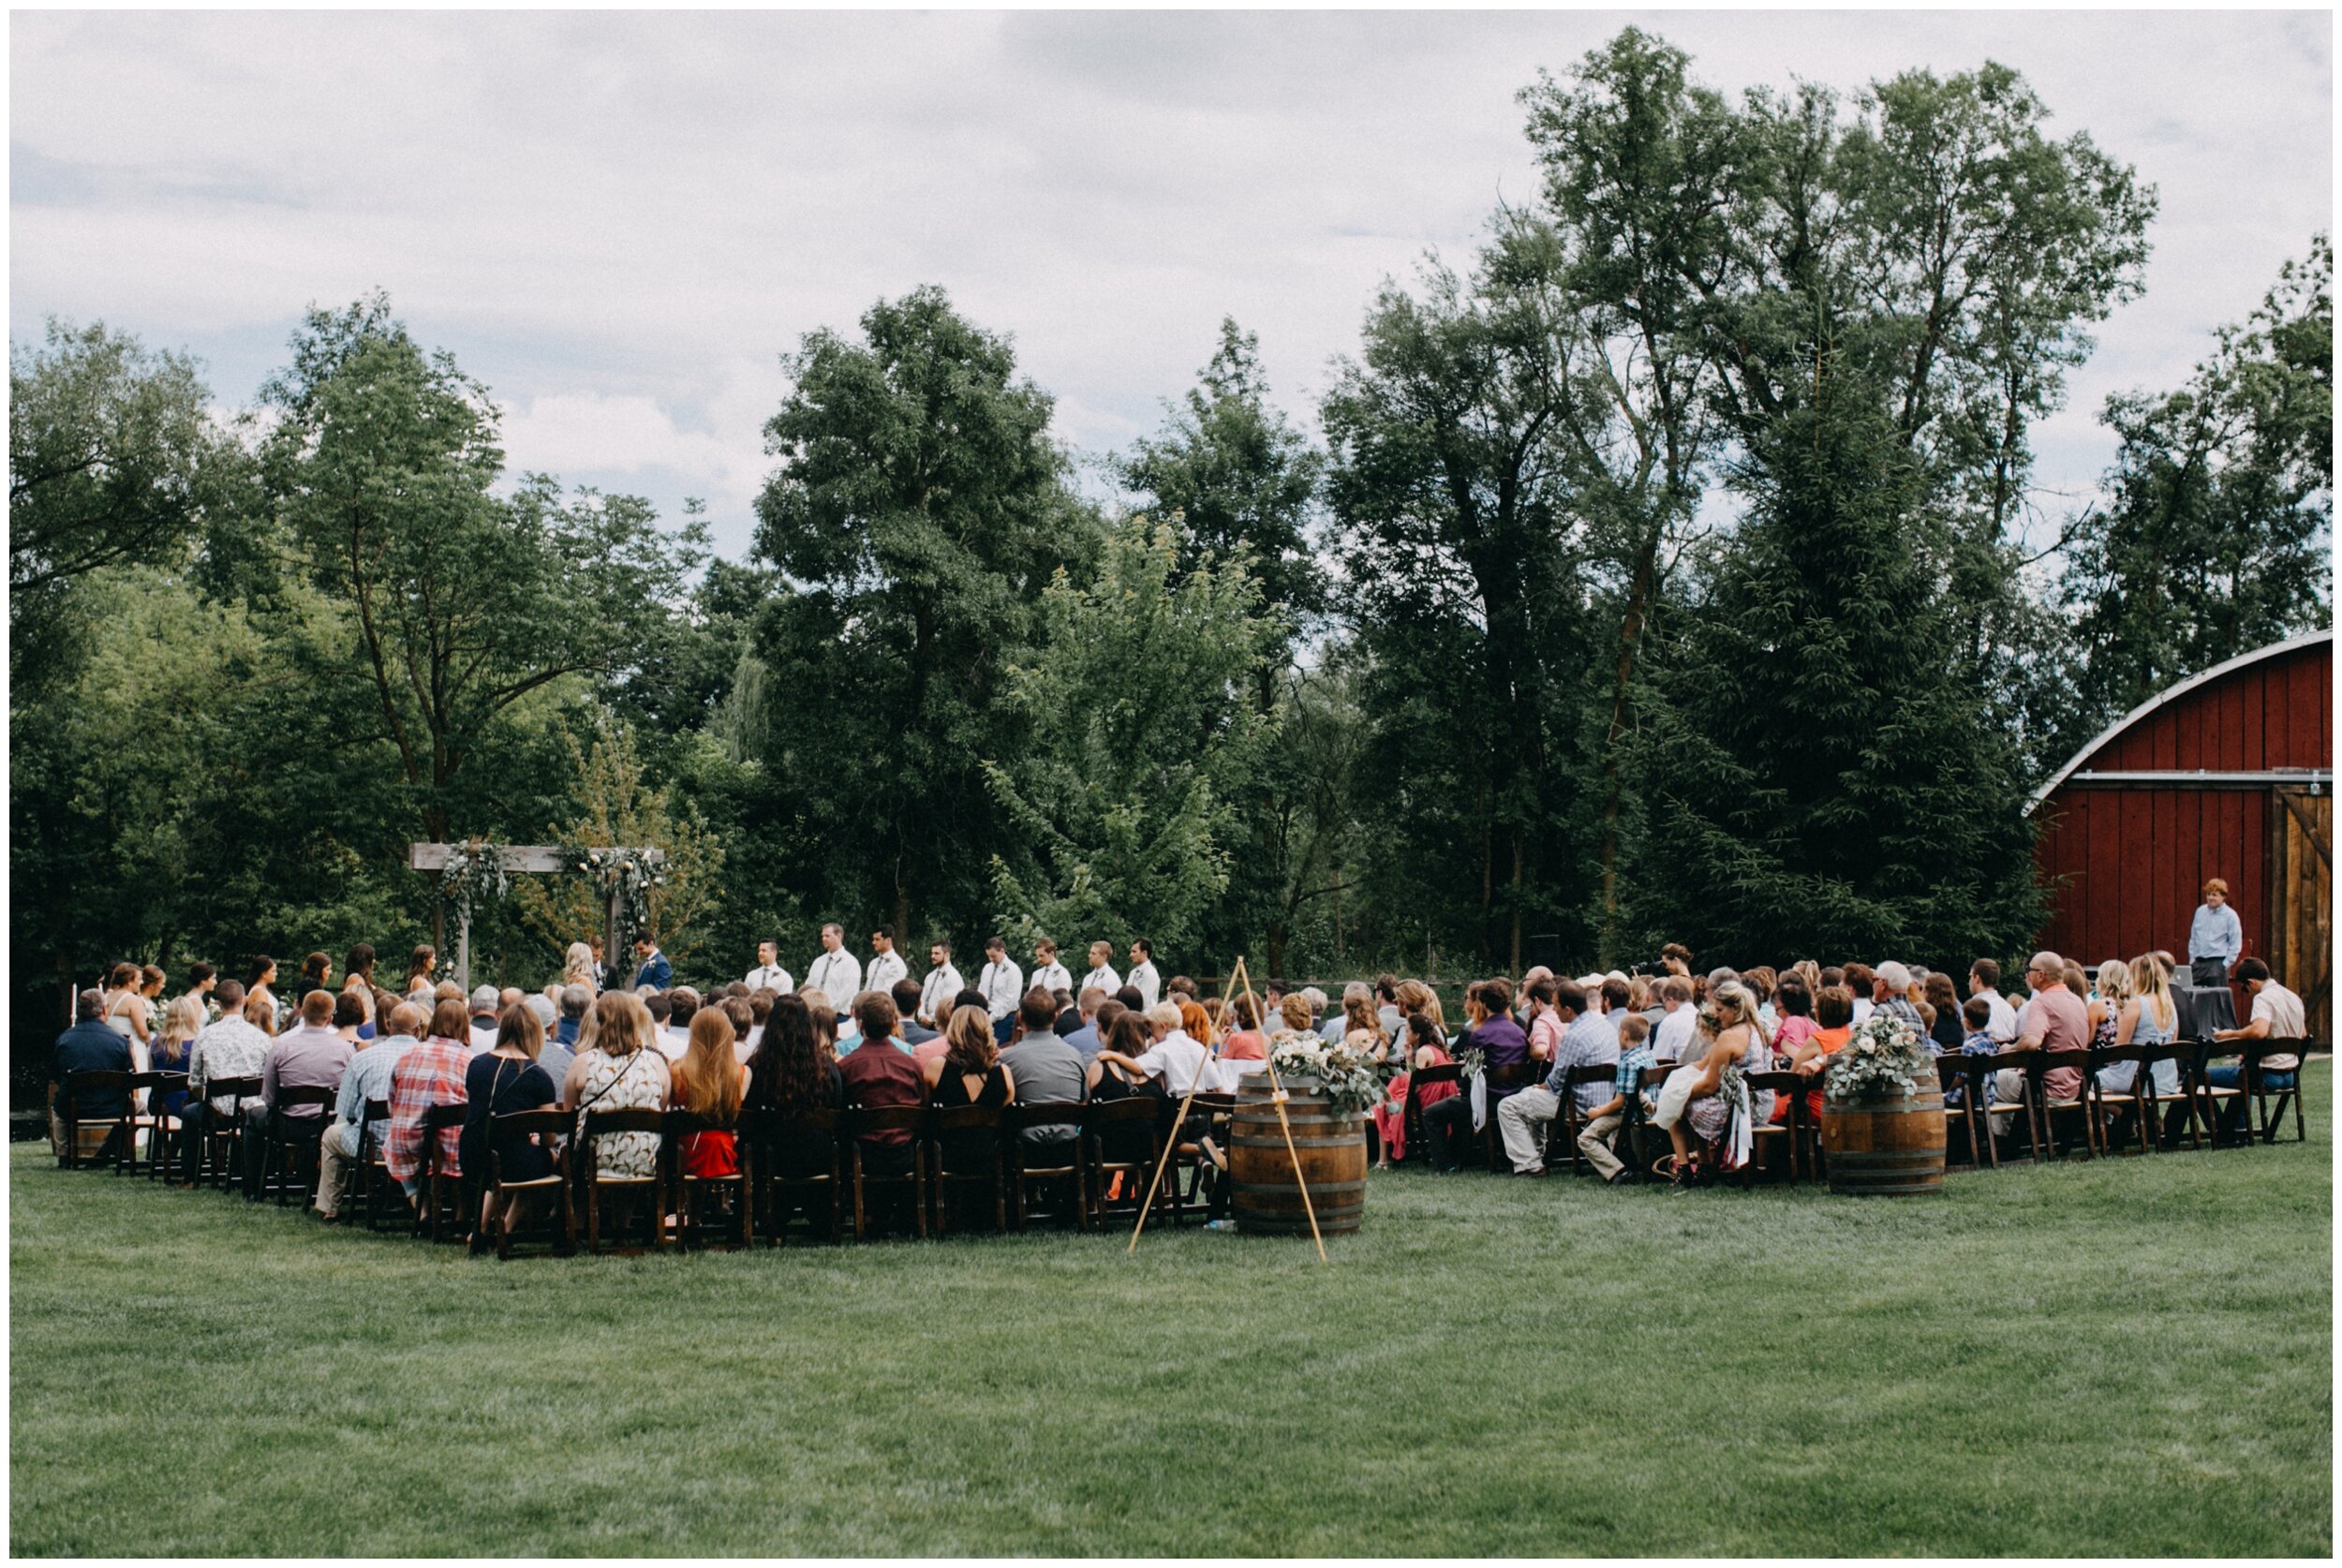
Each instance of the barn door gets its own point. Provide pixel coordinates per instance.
(2301, 901)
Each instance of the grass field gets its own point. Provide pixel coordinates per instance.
(2130, 1356)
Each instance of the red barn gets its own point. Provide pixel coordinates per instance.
(2230, 775)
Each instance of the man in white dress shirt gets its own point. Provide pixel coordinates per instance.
(836, 974)
(886, 965)
(1004, 987)
(941, 984)
(1143, 973)
(768, 975)
(1102, 973)
(1047, 973)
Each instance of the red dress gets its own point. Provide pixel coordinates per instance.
(1391, 1116)
(711, 1153)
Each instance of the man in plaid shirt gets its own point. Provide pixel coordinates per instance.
(1635, 1059)
(430, 1075)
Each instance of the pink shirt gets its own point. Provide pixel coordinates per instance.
(1544, 1036)
(2059, 1017)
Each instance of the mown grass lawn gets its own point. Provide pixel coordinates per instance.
(2130, 1356)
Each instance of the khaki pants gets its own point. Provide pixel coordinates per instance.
(336, 1150)
(1522, 1118)
(1594, 1144)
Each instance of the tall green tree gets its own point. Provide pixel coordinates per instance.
(381, 464)
(1461, 539)
(114, 458)
(2216, 532)
(919, 511)
(1141, 737)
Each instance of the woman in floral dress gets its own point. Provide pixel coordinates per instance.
(618, 1073)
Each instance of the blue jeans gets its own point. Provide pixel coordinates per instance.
(2233, 1116)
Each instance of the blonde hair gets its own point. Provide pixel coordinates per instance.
(1414, 998)
(1360, 1015)
(624, 1023)
(2114, 980)
(1165, 1014)
(181, 1020)
(708, 1085)
(2151, 985)
(577, 965)
(1736, 1004)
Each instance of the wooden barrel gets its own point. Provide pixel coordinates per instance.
(1886, 1148)
(1332, 1155)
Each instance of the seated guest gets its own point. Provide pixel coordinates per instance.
(1245, 1040)
(2053, 1018)
(1046, 1071)
(1590, 1039)
(1863, 984)
(1945, 1029)
(683, 1005)
(824, 1016)
(1700, 1104)
(350, 1020)
(561, 1044)
(368, 1078)
(742, 1018)
(1171, 1055)
(429, 1074)
(2276, 1015)
(503, 1082)
(232, 1047)
(760, 1009)
(1358, 1012)
(1089, 1033)
(182, 1020)
(482, 1030)
(312, 1055)
(1977, 1014)
(1607, 1121)
(259, 1011)
(1497, 1035)
(1069, 1017)
(791, 1073)
(661, 1006)
(1833, 1015)
(875, 1075)
(709, 1083)
(1391, 1118)
(1673, 1039)
(1543, 1024)
(621, 1070)
(91, 1045)
(1113, 1073)
(973, 1074)
(911, 1032)
(1793, 1005)
(1297, 1016)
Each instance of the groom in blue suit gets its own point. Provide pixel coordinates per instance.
(651, 966)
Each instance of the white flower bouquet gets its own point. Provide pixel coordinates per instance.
(1882, 1061)
(1345, 1072)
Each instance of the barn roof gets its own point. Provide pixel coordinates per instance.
(2171, 694)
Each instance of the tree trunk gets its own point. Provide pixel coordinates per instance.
(1629, 640)
(1278, 931)
(1514, 967)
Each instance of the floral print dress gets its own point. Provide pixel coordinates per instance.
(626, 1083)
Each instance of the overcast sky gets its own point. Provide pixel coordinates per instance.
(620, 221)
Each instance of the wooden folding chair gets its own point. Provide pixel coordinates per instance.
(2023, 1113)
(1411, 1113)
(691, 1190)
(80, 1088)
(163, 1131)
(1102, 1121)
(1183, 1179)
(1967, 1120)
(2121, 1103)
(2205, 1098)
(548, 1130)
(376, 1196)
(1788, 1089)
(1059, 1170)
(286, 1140)
(440, 1208)
(136, 1121)
(2256, 1078)
(1569, 1120)
(859, 1125)
(650, 1192)
(944, 1121)
(1512, 1075)
(221, 1157)
(2078, 1106)
(765, 1154)
(2161, 1107)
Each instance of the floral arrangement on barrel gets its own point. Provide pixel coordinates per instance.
(1345, 1072)
(1882, 1061)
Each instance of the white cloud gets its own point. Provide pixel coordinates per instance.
(620, 220)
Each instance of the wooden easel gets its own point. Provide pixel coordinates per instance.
(1276, 1098)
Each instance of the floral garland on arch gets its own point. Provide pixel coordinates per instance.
(631, 873)
(1345, 1072)
(474, 875)
(1882, 1061)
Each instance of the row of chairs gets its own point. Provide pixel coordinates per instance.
(2033, 1128)
(823, 1171)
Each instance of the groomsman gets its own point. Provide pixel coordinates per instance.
(836, 974)
(941, 984)
(1143, 973)
(768, 975)
(1004, 987)
(1048, 975)
(886, 965)
(1102, 973)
